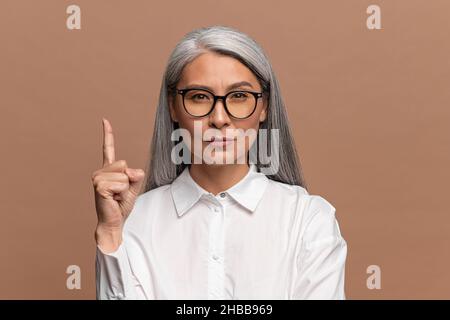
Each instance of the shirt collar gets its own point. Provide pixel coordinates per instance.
(247, 192)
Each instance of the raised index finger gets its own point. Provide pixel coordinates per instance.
(108, 143)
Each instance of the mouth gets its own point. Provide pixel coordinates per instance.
(220, 141)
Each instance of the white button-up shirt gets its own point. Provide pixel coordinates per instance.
(260, 239)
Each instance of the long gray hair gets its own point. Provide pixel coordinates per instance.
(231, 42)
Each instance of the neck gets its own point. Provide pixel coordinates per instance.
(217, 178)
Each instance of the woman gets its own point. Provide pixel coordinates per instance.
(211, 221)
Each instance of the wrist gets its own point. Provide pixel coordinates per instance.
(107, 238)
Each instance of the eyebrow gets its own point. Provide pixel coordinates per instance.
(230, 87)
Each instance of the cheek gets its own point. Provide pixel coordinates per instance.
(251, 123)
(254, 121)
(250, 128)
(189, 124)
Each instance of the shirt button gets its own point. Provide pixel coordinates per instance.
(222, 195)
(216, 210)
(215, 257)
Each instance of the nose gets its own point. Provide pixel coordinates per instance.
(219, 116)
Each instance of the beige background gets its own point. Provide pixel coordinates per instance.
(370, 111)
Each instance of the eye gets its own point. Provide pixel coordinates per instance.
(239, 95)
(199, 96)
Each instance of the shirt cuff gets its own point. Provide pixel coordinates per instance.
(113, 274)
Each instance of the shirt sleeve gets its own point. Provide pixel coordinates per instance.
(322, 256)
(114, 276)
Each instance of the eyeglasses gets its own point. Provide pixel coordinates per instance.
(238, 104)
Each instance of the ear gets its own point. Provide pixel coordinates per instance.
(173, 114)
(263, 114)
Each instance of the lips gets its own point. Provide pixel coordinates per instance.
(220, 141)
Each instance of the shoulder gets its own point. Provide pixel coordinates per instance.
(308, 202)
(315, 215)
(147, 205)
(153, 196)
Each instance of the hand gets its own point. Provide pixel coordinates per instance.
(116, 189)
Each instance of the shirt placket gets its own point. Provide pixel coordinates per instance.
(216, 266)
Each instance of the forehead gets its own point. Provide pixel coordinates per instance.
(217, 71)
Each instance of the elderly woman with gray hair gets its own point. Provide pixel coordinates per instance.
(215, 216)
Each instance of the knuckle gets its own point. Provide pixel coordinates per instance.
(122, 163)
(95, 174)
(101, 185)
(97, 179)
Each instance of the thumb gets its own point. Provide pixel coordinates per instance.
(136, 177)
